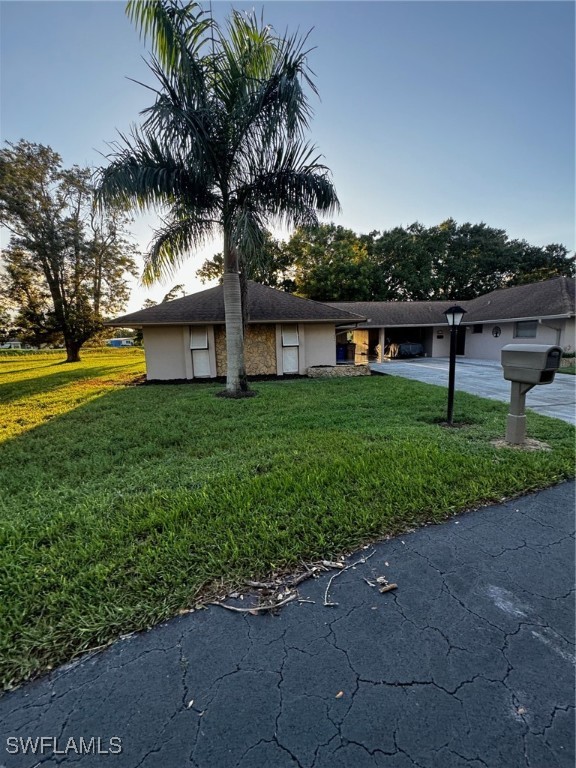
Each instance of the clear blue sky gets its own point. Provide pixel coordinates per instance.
(428, 110)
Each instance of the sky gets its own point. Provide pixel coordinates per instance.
(427, 110)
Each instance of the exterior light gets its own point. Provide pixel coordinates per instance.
(454, 317)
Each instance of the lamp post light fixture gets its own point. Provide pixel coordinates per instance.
(454, 317)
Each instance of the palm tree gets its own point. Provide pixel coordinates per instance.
(222, 149)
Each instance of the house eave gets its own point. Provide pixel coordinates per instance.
(174, 324)
(539, 318)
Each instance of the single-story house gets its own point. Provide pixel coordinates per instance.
(537, 313)
(186, 338)
(285, 334)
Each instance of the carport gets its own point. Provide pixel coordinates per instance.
(392, 323)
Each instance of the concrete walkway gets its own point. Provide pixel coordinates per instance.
(468, 664)
(484, 378)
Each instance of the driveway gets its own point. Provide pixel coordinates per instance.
(484, 378)
(469, 663)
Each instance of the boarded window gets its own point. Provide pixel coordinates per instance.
(199, 337)
(200, 354)
(289, 335)
(526, 329)
(290, 358)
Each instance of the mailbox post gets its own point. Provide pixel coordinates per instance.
(525, 366)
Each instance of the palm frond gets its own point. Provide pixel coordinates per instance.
(248, 235)
(178, 31)
(288, 183)
(172, 245)
(145, 172)
(182, 116)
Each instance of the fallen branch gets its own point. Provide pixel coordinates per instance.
(258, 608)
(303, 576)
(362, 560)
(287, 584)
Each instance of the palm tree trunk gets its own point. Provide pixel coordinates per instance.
(235, 377)
(236, 384)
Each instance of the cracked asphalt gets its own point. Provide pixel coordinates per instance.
(468, 664)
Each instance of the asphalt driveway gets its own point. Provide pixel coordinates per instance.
(484, 378)
(469, 663)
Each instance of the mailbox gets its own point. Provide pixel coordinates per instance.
(526, 365)
(530, 363)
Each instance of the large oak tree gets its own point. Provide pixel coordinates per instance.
(66, 265)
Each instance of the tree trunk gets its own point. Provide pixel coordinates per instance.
(73, 351)
(235, 373)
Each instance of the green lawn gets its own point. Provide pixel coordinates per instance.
(568, 369)
(120, 505)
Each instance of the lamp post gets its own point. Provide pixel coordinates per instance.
(454, 317)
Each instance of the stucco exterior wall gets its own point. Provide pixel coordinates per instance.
(441, 346)
(259, 350)
(164, 349)
(484, 346)
(568, 337)
(320, 346)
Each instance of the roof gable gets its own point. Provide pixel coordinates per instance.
(264, 305)
(550, 298)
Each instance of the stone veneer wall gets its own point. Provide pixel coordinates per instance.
(333, 371)
(259, 350)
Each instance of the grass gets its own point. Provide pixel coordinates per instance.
(571, 369)
(121, 505)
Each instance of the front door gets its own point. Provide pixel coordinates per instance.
(460, 340)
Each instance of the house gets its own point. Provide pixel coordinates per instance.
(537, 313)
(186, 338)
(285, 334)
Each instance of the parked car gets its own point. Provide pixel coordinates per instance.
(11, 345)
(120, 342)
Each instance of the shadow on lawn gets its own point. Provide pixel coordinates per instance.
(106, 436)
(58, 377)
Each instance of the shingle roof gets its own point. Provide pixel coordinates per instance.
(265, 305)
(549, 298)
(389, 313)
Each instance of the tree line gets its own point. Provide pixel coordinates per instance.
(448, 261)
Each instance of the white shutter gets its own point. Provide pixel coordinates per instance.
(200, 363)
(289, 335)
(198, 337)
(290, 360)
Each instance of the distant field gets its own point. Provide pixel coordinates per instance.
(37, 386)
(121, 505)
